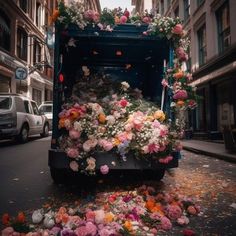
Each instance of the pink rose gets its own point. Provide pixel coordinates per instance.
(183, 220)
(74, 134)
(181, 54)
(106, 145)
(123, 103)
(104, 169)
(81, 231)
(123, 19)
(146, 19)
(165, 223)
(99, 216)
(126, 13)
(192, 210)
(180, 94)
(72, 152)
(8, 231)
(90, 216)
(89, 144)
(174, 212)
(74, 166)
(91, 229)
(178, 29)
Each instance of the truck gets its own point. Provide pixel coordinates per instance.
(126, 53)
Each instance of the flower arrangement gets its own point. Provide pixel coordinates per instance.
(101, 118)
(116, 121)
(143, 211)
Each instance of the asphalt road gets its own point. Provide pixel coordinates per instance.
(25, 180)
(25, 185)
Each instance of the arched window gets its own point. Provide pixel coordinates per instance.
(22, 44)
(5, 31)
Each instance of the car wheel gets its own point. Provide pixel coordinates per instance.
(24, 134)
(45, 130)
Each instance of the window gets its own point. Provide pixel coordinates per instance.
(5, 31)
(186, 9)
(20, 106)
(5, 103)
(223, 25)
(38, 14)
(27, 107)
(22, 44)
(37, 96)
(201, 34)
(23, 5)
(5, 82)
(35, 108)
(176, 12)
(199, 2)
(37, 52)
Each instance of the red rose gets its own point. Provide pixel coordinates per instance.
(188, 232)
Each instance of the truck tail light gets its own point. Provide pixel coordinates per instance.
(61, 78)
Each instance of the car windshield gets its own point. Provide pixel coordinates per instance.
(5, 103)
(46, 109)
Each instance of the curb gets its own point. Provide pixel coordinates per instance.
(210, 154)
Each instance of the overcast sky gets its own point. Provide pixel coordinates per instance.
(111, 4)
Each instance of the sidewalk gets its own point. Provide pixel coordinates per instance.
(209, 149)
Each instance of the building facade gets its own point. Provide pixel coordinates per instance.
(210, 25)
(25, 42)
(22, 44)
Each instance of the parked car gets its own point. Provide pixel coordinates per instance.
(20, 118)
(46, 109)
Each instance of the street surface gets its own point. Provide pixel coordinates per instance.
(26, 185)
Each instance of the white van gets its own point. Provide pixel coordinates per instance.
(20, 118)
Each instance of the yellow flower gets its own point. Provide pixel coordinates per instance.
(116, 142)
(109, 217)
(159, 115)
(150, 118)
(128, 225)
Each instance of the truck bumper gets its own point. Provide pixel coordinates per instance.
(58, 159)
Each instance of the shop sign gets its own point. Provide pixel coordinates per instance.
(21, 73)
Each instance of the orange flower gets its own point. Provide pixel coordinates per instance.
(54, 16)
(62, 122)
(102, 118)
(117, 20)
(109, 217)
(20, 217)
(116, 141)
(128, 225)
(64, 218)
(179, 74)
(150, 204)
(180, 103)
(74, 114)
(62, 210)
(5, 219)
